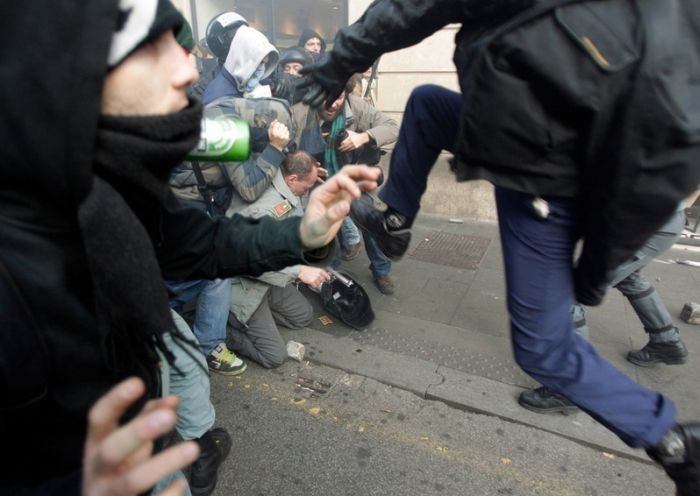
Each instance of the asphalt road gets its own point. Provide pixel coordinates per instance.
(312, 430)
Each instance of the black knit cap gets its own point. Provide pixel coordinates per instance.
(139, 22)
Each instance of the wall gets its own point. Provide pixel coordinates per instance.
(399, 72)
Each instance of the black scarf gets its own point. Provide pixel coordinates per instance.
(131, 299)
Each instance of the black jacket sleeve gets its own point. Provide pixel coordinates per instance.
(191, 245)
(389, 25)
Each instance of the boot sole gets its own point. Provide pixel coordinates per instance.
(564, 410)
(390, 254)
(228, 373)
(204, 491)
(652, 363)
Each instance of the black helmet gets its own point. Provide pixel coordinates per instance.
(294, 54)
(345, 299)
(220, 32)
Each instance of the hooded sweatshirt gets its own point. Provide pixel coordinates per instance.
(248, 50)
(306, 35)
(69, 328)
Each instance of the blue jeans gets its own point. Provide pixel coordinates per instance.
(349, 234)
(379, 264)
(211, 314)
(195, 414)
(190, 382)
(538, 255)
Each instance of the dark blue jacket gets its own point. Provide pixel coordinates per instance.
(222, 85)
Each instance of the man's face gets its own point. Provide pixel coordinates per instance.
(293, 68)
(299, 187)
(150, 81)
(313, 45)
(331, 112)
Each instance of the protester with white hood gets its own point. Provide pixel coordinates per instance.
(251, 59)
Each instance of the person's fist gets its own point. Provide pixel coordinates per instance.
(278, 134)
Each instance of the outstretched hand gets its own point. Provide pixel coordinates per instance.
(118, 459)
(330, 203)
(322, 82)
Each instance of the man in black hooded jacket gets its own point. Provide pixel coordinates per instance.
(583, 115)
(89, 228)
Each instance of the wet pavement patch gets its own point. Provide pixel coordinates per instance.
(453, 250)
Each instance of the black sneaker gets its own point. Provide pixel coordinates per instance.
(393, 243)
(679, 455)
(670, 353)
(542, 400)
(214, 447)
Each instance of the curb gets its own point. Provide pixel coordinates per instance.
(463, 391)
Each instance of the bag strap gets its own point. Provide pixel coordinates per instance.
(202, 186)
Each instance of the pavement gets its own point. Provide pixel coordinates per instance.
(444, 334)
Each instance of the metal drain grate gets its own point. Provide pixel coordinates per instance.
(454, 250)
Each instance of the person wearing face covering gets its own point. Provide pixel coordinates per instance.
(251, 59)
(89, 229)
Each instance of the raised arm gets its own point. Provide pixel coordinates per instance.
(389, 25)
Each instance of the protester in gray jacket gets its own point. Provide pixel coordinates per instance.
(259, 304)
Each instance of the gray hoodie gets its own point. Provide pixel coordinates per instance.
(248, 49)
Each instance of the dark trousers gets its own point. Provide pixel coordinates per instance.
(429, 125)
(538, 255)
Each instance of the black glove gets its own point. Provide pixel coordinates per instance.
(324, 81)
(286, 87)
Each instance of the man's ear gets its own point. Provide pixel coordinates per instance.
(291, 178)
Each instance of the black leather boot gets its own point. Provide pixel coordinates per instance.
(393, 243)
(670, 353)
(542, 400)
(215, 446)
(679, 455)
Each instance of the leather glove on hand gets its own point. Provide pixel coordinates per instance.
(324, 81)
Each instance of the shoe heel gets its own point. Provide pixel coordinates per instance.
(676, 361)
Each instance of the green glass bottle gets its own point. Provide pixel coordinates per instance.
(223, 139)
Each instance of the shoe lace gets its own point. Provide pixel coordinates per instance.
(226, 356)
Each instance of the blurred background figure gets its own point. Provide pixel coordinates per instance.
(251, 59)
(211, 52)
(313, 43)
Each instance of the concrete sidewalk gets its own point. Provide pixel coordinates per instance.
(444, 334)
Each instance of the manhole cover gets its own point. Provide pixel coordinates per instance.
(454, 250)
